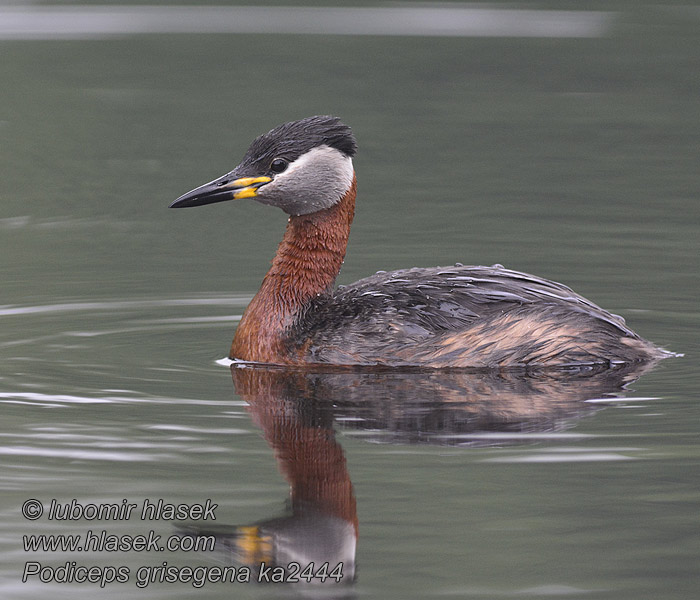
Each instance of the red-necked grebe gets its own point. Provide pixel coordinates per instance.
(436, 317)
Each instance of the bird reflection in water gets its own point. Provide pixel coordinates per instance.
(298, 410)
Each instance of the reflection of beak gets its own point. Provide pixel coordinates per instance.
(252, 546)
(223, 188)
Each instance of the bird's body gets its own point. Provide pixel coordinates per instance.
(441, 317)
(460, 316)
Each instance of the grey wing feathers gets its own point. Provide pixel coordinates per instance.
(423, 301)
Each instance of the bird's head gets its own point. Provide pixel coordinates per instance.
(301, 167)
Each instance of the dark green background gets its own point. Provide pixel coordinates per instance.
(577, 160)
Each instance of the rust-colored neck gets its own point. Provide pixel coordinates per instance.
(306, 264)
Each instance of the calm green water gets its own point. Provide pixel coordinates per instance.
(575, 159)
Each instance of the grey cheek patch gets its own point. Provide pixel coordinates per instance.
(316, 180)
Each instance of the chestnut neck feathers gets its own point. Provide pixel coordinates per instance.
(306, 265)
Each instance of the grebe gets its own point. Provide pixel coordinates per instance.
(441, 317)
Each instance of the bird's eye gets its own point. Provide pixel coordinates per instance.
(278, 165)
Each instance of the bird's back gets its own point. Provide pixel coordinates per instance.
(461, 317)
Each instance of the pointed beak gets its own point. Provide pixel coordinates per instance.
(221, 189)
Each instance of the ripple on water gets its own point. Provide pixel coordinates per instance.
(551, 589)
(66, 400)
(568, 454)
